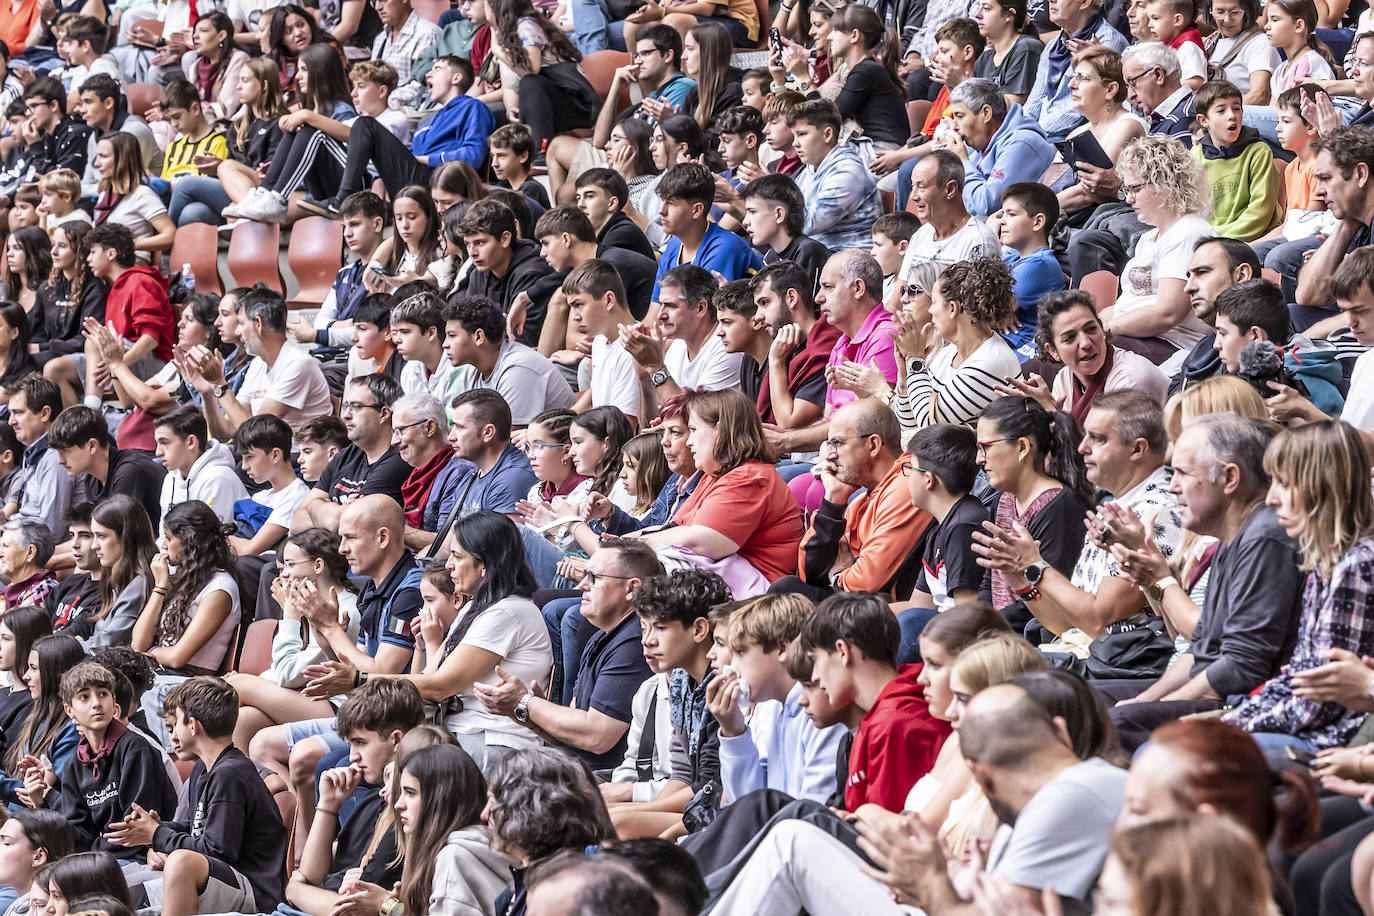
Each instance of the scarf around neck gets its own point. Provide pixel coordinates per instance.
(1082, 397)
(415, 489)
(687, 704)
(1059, 55)
(93, 759)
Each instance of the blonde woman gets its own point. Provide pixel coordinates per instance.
(1168, 191)
(252, 138)
(1320, 489)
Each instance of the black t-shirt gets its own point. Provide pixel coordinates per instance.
(752, 378)
(636, 272)
(611, 671)
(133, 473)
(1016, 74)
(350, 474)
(71, 604)
(621, 232)
(949, 561)
(804, 251)
(354, 837)
(870, 97)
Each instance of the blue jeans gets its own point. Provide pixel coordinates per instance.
(544, 557)
(1285, 258)
(1273, 743)
(198, 199)
(912, 621)
(569, 631)
(593, 29)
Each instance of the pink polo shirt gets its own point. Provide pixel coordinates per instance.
(873, 344)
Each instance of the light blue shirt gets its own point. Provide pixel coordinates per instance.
(48, 492)
(796, 757)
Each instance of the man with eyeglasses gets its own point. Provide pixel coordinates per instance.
(404, 35)
(1154, 87)
(369, 464)
(655, 66)
(419, 430)
(866, 541)
(594, 718)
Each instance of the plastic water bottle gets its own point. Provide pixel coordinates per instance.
(188, 278)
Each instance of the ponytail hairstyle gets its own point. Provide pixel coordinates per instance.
(56, 655)
(204, 552)
(714, 48)
(453, 794)
(611, 426)
(1305, 11)
(881, 43)
(1053, 436)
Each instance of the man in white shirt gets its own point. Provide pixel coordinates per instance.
(684, 350)
(282, 379)
(948, 233)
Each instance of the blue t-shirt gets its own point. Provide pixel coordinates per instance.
(720, 250)
(676, 90)
(500, 488)
(1032, 276)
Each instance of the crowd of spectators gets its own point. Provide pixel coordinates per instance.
(824, 457)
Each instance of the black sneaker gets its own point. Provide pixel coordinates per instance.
(326, 208)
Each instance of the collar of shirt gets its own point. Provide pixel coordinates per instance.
(386, 588)
(1166, 107)
(34, 453)
(1158, 480)
(874, 319)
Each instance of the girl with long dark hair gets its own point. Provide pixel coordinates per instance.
(311, 154)
(873, 95)
(215, 65)
(1031, 456)
(290, 31)
(15, 359)
(28, 261)
(413, 252)
(47, 730)
(69, 295)
(497, 625)
(85, 875)
(124, 545)
(540, 80)
(20, 627)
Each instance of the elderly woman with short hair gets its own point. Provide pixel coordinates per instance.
(26, 545)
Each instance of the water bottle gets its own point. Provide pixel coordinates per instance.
(188, 278)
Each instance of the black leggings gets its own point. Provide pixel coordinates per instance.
(1320, 878)
(370, 143)
(547, 109)
(307, 157)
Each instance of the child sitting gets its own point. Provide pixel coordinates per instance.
(264, 446)
(59, 190)
(373, 349)
(512, 153)
(1171, 22)
(196, 138)
(740, 131)
(317, 442)
(943, 469)
(740, 326)
(373, 82)
(1239, 166)
(1029, 212)
(892, 234)
(1307, 218)
(777, 109)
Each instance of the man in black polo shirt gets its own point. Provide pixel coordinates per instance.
(612, 667)
(83, 445)
(369, 464)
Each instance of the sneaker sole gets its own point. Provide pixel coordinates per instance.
(311, 206)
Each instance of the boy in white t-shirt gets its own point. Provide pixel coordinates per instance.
(264, 444)
(596, 307)
(82, 46)
(373, 82)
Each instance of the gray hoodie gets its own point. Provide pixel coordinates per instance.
(213, 480)
(468, 875)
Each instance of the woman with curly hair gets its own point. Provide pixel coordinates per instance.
(1168, 190)
(69, 296)
(971, 301)
(188, 623)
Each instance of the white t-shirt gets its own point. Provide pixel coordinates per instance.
(1309, 66)
(395, 120)
(615, 381)
(713, 369)
(295, 380)
(973, 240)
(1257, 56)
(211, 655)
(416, 379)
(514, 630)
(251, 12)
(283, 502)
(136, 212)
(1164, 256)
(1359, 403)
(1192, 60)
(73, 77)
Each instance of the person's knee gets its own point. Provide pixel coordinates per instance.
(301, 761)
(268, 745)
(185, 867)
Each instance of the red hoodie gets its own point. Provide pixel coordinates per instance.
(138, 305)
(896, 744)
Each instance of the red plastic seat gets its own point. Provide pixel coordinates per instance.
(197, 244)
(599, 68)
(142, 96)
(1101, 285)
(256, 656)
(314, 254)
(253, 251)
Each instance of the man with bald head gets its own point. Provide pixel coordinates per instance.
(1057, 810)
(869, 543)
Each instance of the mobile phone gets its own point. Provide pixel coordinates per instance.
(1299, 756)
(378, 269)
(775, 42)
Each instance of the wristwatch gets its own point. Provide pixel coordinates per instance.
(659, 378)
(220, 391)
(522, 709)
(915, 365)
(1035, 572)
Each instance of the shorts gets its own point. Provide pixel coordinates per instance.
(739, 34)
(322, 730)
(585, 158)
(226, 891)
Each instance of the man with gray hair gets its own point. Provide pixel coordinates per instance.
(419, 431)
(948, 234)
(1005, 146)
(1248, 622)
(850, 298)
(26, 546)
(1050, 101)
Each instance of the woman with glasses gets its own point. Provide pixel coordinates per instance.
(1240, 49)
(1169, 191)
(1098, 93)
(274, 697)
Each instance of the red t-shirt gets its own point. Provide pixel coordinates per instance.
(895, 745)
(752, 507)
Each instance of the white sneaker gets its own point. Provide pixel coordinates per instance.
(269, 207)
(234, 211)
